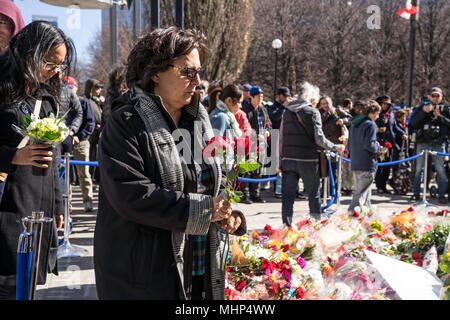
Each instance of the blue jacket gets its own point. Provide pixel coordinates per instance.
(219, 121)
(88, 123)
(362, 146)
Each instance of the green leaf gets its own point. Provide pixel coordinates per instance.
(26, 120)
(237, 194)
(248, 167)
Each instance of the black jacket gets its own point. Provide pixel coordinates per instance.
(133, 253)
(420, 120)
(69, 100)
(25, 193)
(295, 142)
(275, 111)
(252, 117)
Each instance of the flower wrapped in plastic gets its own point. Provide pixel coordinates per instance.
(48, 131)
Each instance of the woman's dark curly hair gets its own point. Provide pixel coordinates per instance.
(117, 80)
(20, 65)
(156, 50)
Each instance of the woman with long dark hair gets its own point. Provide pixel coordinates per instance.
(29, 71)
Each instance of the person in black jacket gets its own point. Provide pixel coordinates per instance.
(433, 127)
(299, 155)
(259, 119)
(29, 70)
(70, 103)
(81, 147)
(385, 123)
(158, 226)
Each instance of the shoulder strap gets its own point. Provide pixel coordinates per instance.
(37, 107)
(300, 120)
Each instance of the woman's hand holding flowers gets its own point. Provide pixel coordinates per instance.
(231, 224)
(221, 211)
(30, 154)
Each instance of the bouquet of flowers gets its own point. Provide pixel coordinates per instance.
(48, 131)
(217, 147)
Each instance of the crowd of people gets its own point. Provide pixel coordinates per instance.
(162, 216)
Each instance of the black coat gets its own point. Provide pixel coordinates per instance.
(133, 253)
(25, 193)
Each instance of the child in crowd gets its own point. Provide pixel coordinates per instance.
(364, 149)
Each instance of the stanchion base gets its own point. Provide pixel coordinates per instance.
(67, 250)
(328, 212)
(425, 204)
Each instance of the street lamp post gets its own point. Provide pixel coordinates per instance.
(276, 44)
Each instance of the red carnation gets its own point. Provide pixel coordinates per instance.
(416, 255)
(356, 214)
(410, 209)
(286, 247)
(241, 284)
(388, 145)
(273, 288)
(269, 229)
(300, 293)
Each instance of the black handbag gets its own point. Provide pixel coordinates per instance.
(323, 161)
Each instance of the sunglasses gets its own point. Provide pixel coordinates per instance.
(437, 95)
(190, 72)
(50, 66)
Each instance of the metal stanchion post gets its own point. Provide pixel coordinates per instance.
(24, 263)
(327, 211)
(424, 201)
(339, 182)
(35, 224)
(66, 249)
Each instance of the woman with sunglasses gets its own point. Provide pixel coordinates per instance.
(160, 218)
(29, 70)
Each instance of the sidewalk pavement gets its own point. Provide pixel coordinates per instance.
(76, 279)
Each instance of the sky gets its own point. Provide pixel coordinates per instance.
(80, 25)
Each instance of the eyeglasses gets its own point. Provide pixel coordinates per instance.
(50, 66)
(436, 95)
(190, 72)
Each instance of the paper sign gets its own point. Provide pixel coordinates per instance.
(409, 282)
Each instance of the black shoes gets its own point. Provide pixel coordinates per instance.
(380, 191)
(301, 196)
(257, 200)
(246, 200)
(278, 195)
(443, 200)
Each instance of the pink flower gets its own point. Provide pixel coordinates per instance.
(287, 275)
(301, 262)
(215, 142)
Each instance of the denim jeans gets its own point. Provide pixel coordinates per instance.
(292, 171)
(438, 164)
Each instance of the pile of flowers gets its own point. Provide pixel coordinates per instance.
(325, 259)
